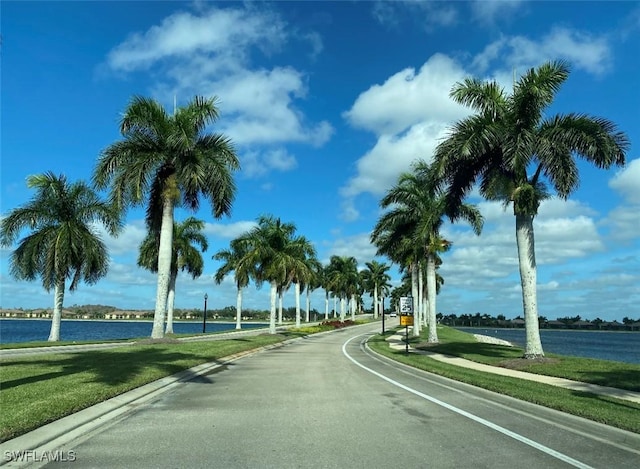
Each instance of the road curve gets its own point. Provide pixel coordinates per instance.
(328, 402)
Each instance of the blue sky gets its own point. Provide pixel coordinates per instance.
(327, 102)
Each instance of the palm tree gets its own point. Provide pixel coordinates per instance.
(167, 161)
(301, 270)
(514, 150)
(233, 262)
(419, 209)
(274, 252)
(184, 257)
(63, 244)
(375, 277)
(342, 279)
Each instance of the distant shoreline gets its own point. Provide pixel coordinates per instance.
(191, 321)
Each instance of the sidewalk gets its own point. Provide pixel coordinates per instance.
(397, 342)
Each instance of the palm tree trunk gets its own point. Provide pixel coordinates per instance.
(164, 268)
(527, 260)
(420, 316)
(58, 298)
(297, 293)
(326, 305)
(414, 293)
(171, 298)
(431, 294)
(308, 314)
(354, 305)
(272, 314)
(239, 309)
(335, 306)
(280, 294)
(375, 301)
(342, 307)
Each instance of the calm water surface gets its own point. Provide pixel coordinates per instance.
(603, 345)
(28, 330)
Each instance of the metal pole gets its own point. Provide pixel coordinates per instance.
(204, 315)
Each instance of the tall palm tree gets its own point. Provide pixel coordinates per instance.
(273, 251)
(300, 271)
(184, 257)
(375, 276)
(514, 150)
(342, 279)
(165, 161)
(233, 262)
(418, 213)
(63, 244)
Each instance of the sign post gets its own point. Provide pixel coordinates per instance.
(406, 317)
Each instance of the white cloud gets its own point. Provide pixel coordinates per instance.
(582, 50)
(128, 241)
(490, 12)
(255, 163)
(627, 181)
(224, 32)
(379, 168)
(228, 231)
(408, 98)
(209, 52)
(428, 14)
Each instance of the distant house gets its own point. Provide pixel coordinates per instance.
(517, 322)
(555, 324)
(582, 325)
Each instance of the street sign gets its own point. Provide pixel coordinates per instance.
(406, 305)
(406, 320)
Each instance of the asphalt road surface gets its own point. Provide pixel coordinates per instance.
(328, 402)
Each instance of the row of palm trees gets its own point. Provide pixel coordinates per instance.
(509, 149)
(272, 252)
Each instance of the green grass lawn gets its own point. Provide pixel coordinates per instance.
(611, 411)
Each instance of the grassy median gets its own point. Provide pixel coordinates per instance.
(615, 412)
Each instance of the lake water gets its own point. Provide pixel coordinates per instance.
(603, 345)
(28, 330)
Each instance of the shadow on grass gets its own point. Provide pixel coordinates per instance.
(106, 367)
(462, 349)
(628, 379)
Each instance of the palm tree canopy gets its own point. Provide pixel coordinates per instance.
(275, 253)
(416, 206)
(375, 276)
(63, 243)
(185, 256)
(232, 259)
(342, 276)
(169, 156)
(509, 144)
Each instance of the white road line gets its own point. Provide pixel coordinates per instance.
(475, 418)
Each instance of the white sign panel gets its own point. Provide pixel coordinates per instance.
(406, 305)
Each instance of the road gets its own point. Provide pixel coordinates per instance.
(328, 402)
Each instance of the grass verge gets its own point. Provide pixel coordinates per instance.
(610, 411)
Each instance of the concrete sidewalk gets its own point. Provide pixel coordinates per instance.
(397, 342)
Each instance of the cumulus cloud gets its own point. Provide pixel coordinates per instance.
(627, 181)
(209, 51)
(409, 97)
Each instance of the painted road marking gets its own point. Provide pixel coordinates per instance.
(475, 418)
